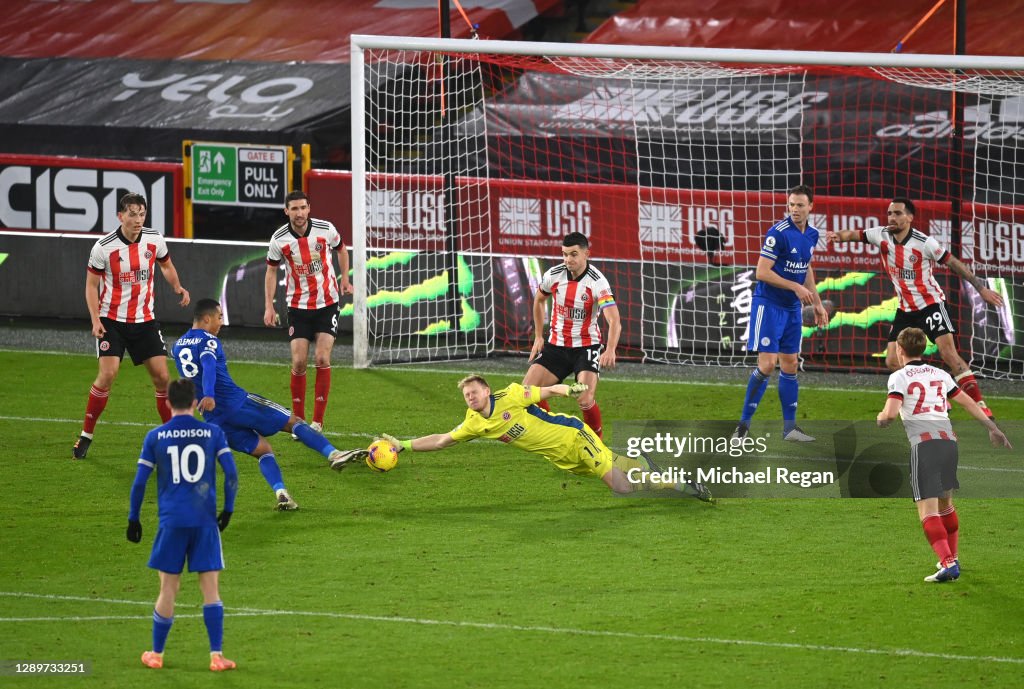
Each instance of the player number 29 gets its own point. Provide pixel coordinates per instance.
(935, 320)
(182, 458)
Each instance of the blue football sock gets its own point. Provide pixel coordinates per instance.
(213, 616)
(161, 628)
(756, 386)
(271, 471)
(311, 439)
(789, 393)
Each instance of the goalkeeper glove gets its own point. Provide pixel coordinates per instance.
(577, 389)
(134, 532)
(395, 442)
(223, 519)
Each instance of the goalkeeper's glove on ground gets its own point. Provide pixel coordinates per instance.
(134, 531)
(577, 389)
(223, 519)
(395, 442)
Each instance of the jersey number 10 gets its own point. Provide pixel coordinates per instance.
(180, 460)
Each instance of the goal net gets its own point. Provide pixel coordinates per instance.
(473, 159)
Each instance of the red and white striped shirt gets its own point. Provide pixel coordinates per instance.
(312, 283)
(577, 303)
(910, 264)
(924, 391)
(126, 269)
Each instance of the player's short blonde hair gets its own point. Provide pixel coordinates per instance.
(913, 341)
(473, 378)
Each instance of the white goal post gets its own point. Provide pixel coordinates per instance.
(471, 159)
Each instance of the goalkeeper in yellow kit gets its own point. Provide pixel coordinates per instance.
(512, 416)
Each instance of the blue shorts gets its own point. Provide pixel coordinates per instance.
(256, 417)
(774, 328)
(199, 544)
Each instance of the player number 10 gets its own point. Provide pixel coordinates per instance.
(180, 462)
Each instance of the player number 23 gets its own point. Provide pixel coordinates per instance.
(918, 388)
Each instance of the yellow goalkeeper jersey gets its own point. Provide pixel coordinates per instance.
(514, 418)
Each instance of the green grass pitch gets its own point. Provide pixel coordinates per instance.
(482, 566)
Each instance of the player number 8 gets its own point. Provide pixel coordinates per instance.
(188, 366)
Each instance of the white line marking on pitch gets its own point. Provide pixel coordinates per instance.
(138, 424)
(610, 379)
(492, 626)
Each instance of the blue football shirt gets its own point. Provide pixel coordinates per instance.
(196, 348)
(185, 452)
(792, 251)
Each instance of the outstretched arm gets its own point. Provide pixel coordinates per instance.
(562, 390)
(426, 443)
(990, 296)
(844, 236)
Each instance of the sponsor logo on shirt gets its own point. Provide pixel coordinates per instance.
(903, 273)
(311, 268)
(130, 277)
(512, 433)
(571, 312)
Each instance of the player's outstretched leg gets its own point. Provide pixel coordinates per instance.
(310, 438)
(340, 459)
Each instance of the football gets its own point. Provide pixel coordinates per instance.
(383, 456)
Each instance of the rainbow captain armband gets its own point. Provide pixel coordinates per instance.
(604, 301)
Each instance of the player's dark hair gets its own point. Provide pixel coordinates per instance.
(907, 204)
(296, 195)
(473, 378)
(913, 341)
(205, 307)
(130, 199)
(576, 239)
(181, 393)
(803, 189)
